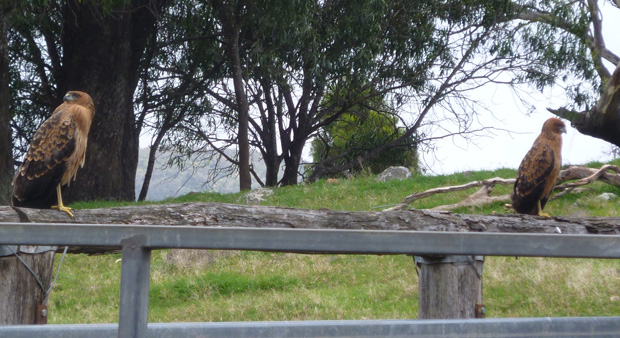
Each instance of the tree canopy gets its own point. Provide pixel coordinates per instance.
(205, 77)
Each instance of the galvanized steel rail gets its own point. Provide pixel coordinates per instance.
(314, 240)
(601, 327)
(137, 242)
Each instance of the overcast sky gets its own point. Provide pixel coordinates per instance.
(504, 149)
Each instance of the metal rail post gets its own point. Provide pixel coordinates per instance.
(135, 275)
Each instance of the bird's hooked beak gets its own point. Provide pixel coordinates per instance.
(562, 130)
(68, 97)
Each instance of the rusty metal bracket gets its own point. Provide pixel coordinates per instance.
(41, 314)
(481, 311)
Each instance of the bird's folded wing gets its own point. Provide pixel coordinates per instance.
(52, 145)
(535, 170)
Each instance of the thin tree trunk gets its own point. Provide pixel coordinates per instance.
(148, 174)
(269, 137)
(150, 165)
(6, 145)
(245, 178)
(230, 25)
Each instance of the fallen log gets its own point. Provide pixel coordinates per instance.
(237, 215)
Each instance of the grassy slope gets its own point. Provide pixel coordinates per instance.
(248, 286)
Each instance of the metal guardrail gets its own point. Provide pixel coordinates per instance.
(314, 240)
(137, 242)
(601, 327)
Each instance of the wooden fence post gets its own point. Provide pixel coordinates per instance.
(450, 287)
(21, 294)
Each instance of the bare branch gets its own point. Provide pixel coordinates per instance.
(479, 198)
(600, 174)
(442, 190)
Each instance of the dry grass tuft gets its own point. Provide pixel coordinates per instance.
(196, 259)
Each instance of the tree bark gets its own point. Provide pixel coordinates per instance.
(6, 145)
(292, 162)
(102, 50)
(20, 293)
(269, 135)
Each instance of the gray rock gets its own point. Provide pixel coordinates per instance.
(394, 173)
(607, 196)
(255, 196)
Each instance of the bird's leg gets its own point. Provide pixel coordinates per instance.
(540, 213)
(61, 206)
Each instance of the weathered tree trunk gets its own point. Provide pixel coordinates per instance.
(6, 145)
(269, 137)
(292, 162)
(102, 50)
(449, 287)
(20, 293)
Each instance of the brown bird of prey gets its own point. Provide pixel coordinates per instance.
(56, 152)
(539, 169)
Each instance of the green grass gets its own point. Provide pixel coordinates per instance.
(194, 285)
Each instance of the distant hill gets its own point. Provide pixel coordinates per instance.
(172, 182)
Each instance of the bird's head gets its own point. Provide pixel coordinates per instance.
(554, 125)
(76, 96)
(81, 98)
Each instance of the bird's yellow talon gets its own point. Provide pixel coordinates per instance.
(68, 210)
(60, 205)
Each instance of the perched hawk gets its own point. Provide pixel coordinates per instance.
(539, 169)
(57, 150)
